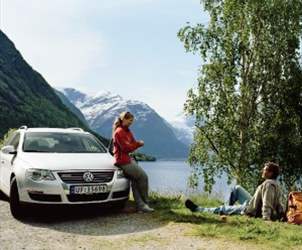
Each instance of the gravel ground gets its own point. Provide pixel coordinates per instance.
(78, 228)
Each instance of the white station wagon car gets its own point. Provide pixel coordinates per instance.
(58, 166)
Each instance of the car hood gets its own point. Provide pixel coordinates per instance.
(63, 161)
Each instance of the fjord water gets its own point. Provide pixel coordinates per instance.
(171, 177)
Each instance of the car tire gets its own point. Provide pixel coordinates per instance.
(15, 206)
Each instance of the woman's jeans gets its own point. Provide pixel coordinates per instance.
(238, 194)
(139, 182)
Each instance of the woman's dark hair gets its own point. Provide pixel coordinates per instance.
(273, 168)
(120, 118)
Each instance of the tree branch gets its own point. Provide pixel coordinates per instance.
(215, 149)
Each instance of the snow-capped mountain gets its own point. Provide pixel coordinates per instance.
(71, 107)
(101, 109)
(183, 127)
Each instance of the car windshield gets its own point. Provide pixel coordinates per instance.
(52, 142)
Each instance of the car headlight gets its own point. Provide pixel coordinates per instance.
(120, 173)
(39, 174)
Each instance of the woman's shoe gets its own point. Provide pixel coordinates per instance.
(145, 209)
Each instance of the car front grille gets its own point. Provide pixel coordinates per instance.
(87, 197)
(45, 197)
(120, 194)
(77, 177)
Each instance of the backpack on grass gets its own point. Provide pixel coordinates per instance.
(294, 211)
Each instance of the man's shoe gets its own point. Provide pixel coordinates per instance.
(191, 205)
(145, 209)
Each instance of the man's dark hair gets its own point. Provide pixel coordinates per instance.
(273, 168)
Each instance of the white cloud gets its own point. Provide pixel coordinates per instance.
(53, 38)
(92, 45)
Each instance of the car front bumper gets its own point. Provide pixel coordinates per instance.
(58, 191)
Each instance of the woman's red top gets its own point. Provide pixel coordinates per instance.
(123, 144)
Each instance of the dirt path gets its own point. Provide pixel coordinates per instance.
(90, 229)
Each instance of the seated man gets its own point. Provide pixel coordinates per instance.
(265, 203)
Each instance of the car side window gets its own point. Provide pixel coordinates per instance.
(13, 140)
(10, 139)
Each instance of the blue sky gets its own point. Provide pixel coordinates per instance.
(128, 47)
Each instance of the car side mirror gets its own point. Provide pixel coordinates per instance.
(9, 150)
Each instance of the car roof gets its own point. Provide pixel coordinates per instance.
(55, 130)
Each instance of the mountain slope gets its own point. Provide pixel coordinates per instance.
(25, 97)
(71, 107)
(183, 127)
(102, 109)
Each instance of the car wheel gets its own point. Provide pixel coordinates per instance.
(15, 206)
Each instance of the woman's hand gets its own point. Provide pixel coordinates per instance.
(141, 143)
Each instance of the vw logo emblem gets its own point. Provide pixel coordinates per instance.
(88, 177)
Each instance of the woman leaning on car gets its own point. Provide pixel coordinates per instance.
(123, 144)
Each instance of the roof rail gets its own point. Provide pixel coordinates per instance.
(77, 129)
(23, 127)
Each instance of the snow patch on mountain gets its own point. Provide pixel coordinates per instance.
(106, 105)
(183, 127)
(101, 109)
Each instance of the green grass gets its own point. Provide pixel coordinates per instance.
(273, 235)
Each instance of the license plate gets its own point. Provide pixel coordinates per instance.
(93, 189)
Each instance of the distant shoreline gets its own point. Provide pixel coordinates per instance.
(172, 159)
